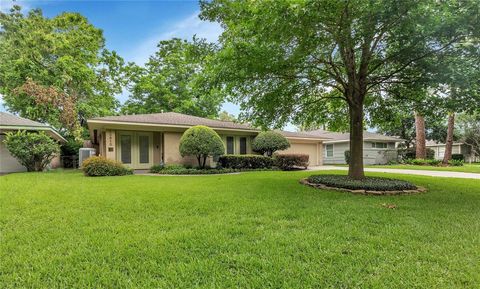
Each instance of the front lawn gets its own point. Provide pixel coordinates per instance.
(251, 230)
(466, 168)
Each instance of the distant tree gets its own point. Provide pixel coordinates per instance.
(201, 142)
(288, 61)
(57, 70)
(174, 80)
(268, 142)
(33, 150)
(469, 126)
(225, 116)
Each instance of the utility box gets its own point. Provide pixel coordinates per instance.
(85, 153)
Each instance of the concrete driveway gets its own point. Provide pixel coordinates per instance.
(443, 174)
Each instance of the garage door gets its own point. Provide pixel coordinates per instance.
(304, 148)
(8, 164)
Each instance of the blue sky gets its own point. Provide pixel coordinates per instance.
(133, 28)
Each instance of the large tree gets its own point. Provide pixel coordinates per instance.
(174, 80)
(65, 55)
(285, 60)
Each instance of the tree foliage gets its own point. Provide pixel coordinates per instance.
(54, 67)
(33, 150)
(291, 61)
(174, 80)
(268, 142)
(201, 141)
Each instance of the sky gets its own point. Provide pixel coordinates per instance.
(133, 28)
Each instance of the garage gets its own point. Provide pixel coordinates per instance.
(303, 143)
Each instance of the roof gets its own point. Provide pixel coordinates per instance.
(345, 137)
(172, 118)
(431, 143)
(12, 122)
(302, 135)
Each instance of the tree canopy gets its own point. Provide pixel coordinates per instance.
(294, 60)
(65, 55)
(174, 80)
(201, 141)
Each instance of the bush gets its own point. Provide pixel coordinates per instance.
(246, 162)
(268, 142)
(288, 162)
(423, 162)
(157, 168)
(347, 157)
(33, 150)
(455, 163)
(367, 183)
(201, 141)
(458, 157)
(410, 153)
(69, 152)
(100, 166)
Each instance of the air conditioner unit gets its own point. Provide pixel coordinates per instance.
(85, 153)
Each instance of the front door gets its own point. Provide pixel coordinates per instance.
(135, 149)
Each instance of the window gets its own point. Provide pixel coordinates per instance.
(379, 145)
(243, 145)
(329, 150)
(144, 149)
(230, 145)
(126, 149)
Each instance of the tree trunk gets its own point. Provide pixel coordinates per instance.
(355, 167)
(420, 152)
(449, 143)
(199, 159)
(204, 161)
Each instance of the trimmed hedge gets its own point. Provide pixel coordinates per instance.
(368, 183)
(410, 153)
(100, 166)
(175, 169)
(246, 162)
(288, 162)
(423, 162)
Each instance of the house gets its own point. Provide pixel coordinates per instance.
(457, 148)
(142, 140)
(8, 123)
(377, 148)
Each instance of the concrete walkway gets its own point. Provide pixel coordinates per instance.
(443, 174)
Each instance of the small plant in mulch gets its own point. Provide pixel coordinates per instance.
(368, 185)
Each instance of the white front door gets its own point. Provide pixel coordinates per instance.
(135, 149)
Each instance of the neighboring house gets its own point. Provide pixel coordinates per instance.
(9, 122)
(142, 140)
(377, 148)
(457, 148)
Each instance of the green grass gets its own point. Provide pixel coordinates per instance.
(466, 168)
(252, 230)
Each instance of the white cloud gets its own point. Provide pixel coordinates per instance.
(186, 29)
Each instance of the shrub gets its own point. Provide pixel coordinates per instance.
(268, 142)
(367, 183)
(69, 152)
(347, 157)
(100, 166)
(157, 168)
(201, 142)
(288, 162)
(33, 150)
(246, 162)
(455, 163)
(422, 162)
(458, 157)
(410, 153)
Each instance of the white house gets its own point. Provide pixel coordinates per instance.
(377, 148)
(457, 148)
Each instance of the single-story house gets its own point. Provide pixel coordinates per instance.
(142, 140)
(10, 122)
(377, 148)
(457, 148)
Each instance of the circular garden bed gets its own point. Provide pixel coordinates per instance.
(368, 185)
